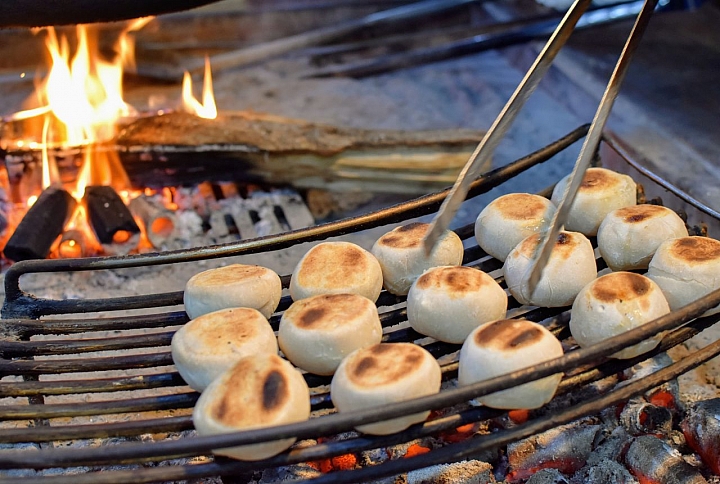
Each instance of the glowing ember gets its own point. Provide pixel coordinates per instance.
(207, 108)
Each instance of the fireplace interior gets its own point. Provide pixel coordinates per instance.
(89, 392)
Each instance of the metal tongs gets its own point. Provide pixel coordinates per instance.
(487, 146)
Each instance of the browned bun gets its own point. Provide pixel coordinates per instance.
(601, 191)
(687, 269)
(381, 374)
(336, 268)
(448, 302)
(233, 286)
(259, 391)
(504, 346)
(615, 303)
(402, 256)
(629, 236)
(507, 220)
(570, 267)
(318, 332)
(208, 345)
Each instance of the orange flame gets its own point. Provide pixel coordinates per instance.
(207, 109)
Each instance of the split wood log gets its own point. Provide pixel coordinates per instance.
(180, 148)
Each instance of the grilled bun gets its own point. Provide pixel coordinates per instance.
(600, 192)
(233, 286)
(258, 391)
(318, 332)
(336, 268)
(687, 269)
(613, 304)
(209, 344)
(381, 374)
(402, 256)
(570, 267)
(505, 346)
(507, 220)
(629, 237)
(448, 302)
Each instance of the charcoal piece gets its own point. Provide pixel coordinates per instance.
(640, 417)
(565, 448)
(547, 476)
(604, 472)
(652, 460)
(109, 217)
(41, 225)
(701, 427)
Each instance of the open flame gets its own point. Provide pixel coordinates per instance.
(78, 104)
(207, 109)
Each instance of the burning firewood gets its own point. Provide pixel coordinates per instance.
(41, 225)
(111, 220)
(255, 147)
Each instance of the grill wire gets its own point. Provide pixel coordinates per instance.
(140, 462)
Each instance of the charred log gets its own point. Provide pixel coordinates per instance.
(111, 220)
(702, 431)
(653, 461)
(40, 226)
(565, 448)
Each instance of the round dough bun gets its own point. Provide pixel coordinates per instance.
(402, 256)
(233, 286)
(613, 304)
(318, 332)
(600, 192)
(505, 346)
(259, 391)
(629, 237)
(687, 269)
(571, 266)
(509, 219)
(449, 302)
(208, 345)
(382, 374)
(337, 268)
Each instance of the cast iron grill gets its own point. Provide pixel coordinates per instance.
(158, 402)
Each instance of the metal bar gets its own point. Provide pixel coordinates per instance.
(31, 327)
(96, 431)
(16, 349)
(484, 151)
(146, 404)
(96, 385)
(273, 48)
(54, 367)
(514, 33)
(592, 140)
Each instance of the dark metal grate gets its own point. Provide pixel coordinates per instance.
(159, 402)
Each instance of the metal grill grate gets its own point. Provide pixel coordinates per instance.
(152, 398)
